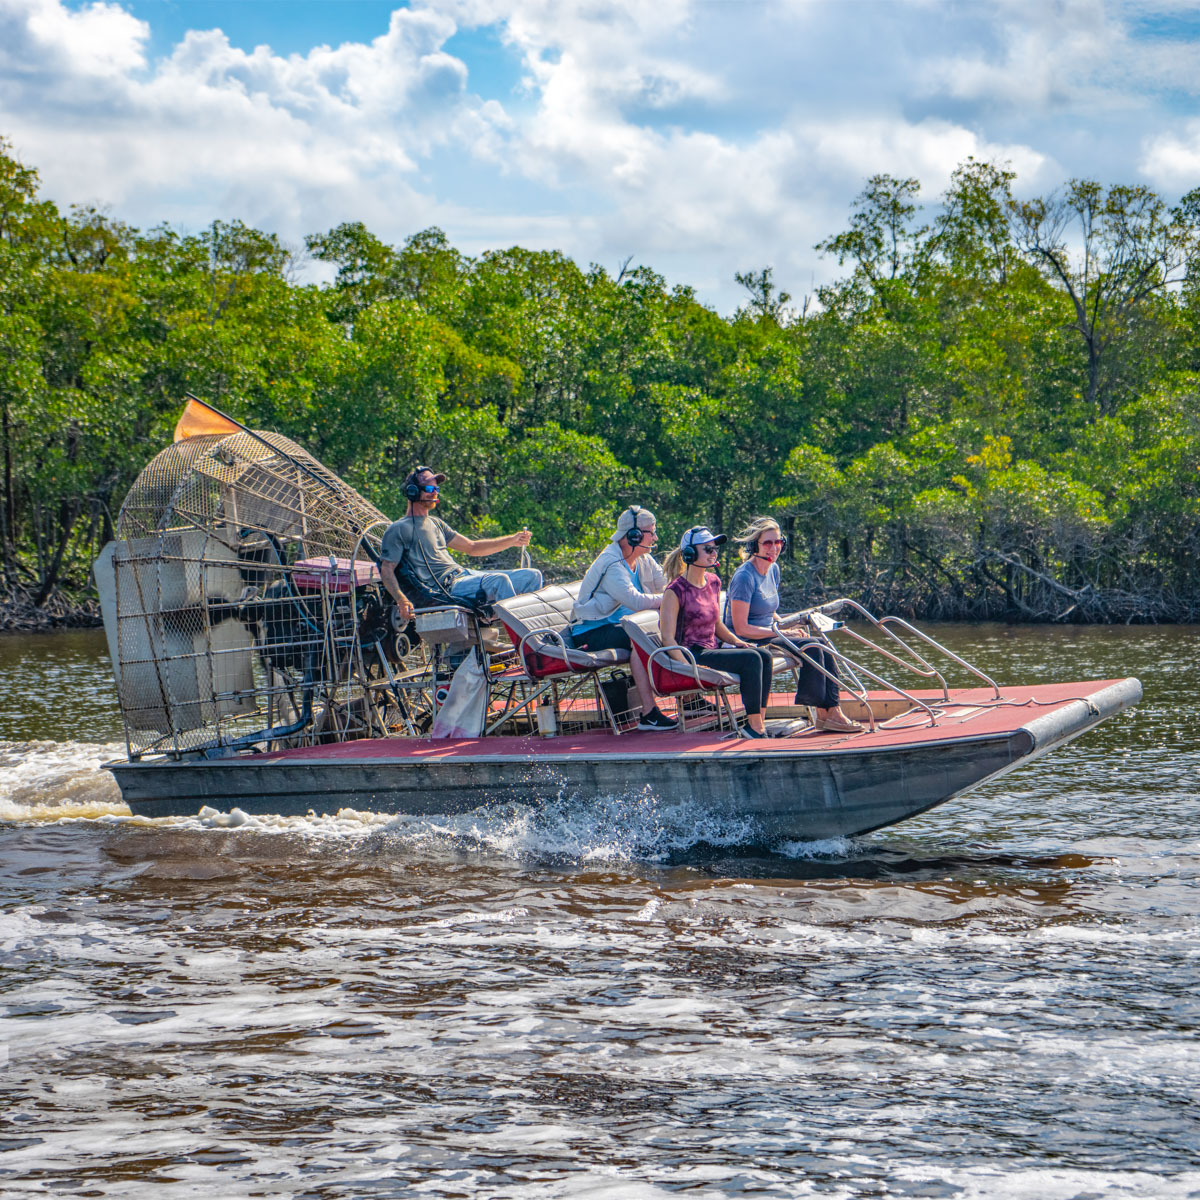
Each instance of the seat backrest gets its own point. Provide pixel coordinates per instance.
(547, 608)
(666, 676)
(642, 628)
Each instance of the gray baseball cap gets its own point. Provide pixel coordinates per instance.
(644, 517)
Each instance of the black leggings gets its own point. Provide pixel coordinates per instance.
(811, 686)
(751, 666)
(603, 637)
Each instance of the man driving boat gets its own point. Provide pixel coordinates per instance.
(419, 544)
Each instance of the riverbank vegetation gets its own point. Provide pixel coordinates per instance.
(991, 413)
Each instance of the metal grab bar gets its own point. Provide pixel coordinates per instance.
(962, 662)
(860, 693)
(725, 709)
(553, 636)
(690, 661)
(861, 696)
(929, 672)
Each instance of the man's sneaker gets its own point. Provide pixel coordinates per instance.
(655, 719)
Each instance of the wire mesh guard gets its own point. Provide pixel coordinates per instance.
(242, 603)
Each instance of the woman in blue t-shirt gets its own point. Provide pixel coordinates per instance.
(753, 605)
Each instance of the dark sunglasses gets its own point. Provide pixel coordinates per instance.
(712, 549)
(429, 487)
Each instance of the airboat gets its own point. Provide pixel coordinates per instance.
(260, 665)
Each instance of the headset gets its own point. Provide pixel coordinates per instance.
(688, 552)
(412, 489)
(634, 536)
(753, 546)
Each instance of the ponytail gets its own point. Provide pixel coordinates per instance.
(673, 565)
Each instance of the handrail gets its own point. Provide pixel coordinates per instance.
(859, 693)
(929, 672)
(962, 662)
(553, 635)
(862, 698)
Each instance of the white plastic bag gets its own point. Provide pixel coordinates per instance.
(466, 703)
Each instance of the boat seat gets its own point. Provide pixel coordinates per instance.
(538, 622)
(668, 676)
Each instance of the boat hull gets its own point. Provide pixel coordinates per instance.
(804, 788)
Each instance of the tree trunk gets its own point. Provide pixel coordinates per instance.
(67, 514)
(9, 510)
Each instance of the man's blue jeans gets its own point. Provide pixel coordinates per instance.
(496, 585)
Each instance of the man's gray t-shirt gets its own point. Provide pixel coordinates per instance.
(418, 546)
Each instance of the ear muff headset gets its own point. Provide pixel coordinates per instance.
(412, 489)
(753, 546)
(687, 551)
(634, 536)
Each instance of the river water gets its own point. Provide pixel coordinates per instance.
(998, 999)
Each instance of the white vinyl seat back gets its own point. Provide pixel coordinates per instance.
(538, 622)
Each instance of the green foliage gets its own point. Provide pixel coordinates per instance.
(995, 391)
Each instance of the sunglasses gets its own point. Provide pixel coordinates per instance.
(429, 487)
(711, 549)
(781, 542)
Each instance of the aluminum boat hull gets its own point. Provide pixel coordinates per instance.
(810, 787)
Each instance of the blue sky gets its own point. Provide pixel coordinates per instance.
(702, 138)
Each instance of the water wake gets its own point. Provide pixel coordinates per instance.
(52, 781)
(48, 781)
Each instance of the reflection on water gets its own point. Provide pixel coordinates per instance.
(997, 999)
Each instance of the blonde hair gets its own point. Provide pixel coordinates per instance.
(673, 565)
(750, 535)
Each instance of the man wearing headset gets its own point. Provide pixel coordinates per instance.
(422, 543)
(623, 579)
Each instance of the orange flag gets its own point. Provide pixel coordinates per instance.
(199, 418)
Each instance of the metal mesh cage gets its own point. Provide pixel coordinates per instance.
(235, 600)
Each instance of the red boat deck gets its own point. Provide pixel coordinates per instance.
(969, 714)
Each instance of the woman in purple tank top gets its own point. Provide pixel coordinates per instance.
(689, 617)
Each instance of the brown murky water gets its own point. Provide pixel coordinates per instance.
(999, 999)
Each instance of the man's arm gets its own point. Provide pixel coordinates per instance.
(481, 546)
(387, 572)
(618, 586)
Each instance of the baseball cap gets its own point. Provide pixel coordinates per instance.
(644, 517)
(701, 535)
(414, 476)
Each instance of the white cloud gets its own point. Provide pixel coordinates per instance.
(98, 39)
(1172, 160)
(1051, 56)
(703, 138)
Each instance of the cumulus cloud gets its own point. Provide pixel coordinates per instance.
(1109, 53)
(702, 138)
(271, 132)
(1172, 160)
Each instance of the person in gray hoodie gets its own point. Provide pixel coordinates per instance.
(624, 579)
